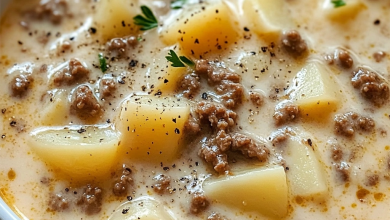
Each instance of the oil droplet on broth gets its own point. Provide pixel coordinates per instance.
(11, 174)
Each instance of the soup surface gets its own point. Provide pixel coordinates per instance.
(159, 109)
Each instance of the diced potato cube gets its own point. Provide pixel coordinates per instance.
(200, 31)
(345, 12)
(152, 127)
(267, 18)
(144, 208)
(261, 190)
(306, 176)
(168, 83)
(81, 152)
(114, 18)
(314, 91)
(55, 111)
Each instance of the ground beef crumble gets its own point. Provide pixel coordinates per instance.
(285, 112)
(372, 180)
(249, 148)
(372, 87)
(118, 47)
(345, 59)
(91, 200)
(231, 93)
(58, 202)
(346, 124)
(20, 84)
(122, 182)
(74, 72)
(190, 85)
(342, 171)
(53, 10)
(337, 152)
(107, 87)
(84, 102)
(162, 184)
(293, 43)
(256, 98)
(198, 203)
(217, 115)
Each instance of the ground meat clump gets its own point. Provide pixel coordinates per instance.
(256, 98)
(215, 216)
(75, 71)
(216, 114)
(198, 203)
(372, 87)
(214, 155)
(337, 152)
(378, 56)
(249, 148)
(84, 102)
(293, 43)
(202, 67)
(372, 180)
(345, 59)
(192, 125)
(231, 93)
(346, 124)
(285, 112)
(123, 182)
(91, 200)
(58, 203)
(54, 10)
(342, 171)
(119, 46)
(107, 87)
(162, 183)
(20, 85)
(190, 85)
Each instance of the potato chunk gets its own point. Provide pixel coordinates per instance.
(81, 152)
(114, 18)
(345, 12)
(144, 208)
(200, 31)
(267, 18)
(152, 127)
(306, 176)
(56, 109)
(261, 190)
(168, 83)
(314, 91)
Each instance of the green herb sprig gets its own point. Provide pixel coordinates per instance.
(338, 3)
(178, 4)
(146, 22)
(103, 63)
(177, 61)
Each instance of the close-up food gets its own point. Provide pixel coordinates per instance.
(191, 109)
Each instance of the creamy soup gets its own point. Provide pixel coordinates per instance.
(159, 109)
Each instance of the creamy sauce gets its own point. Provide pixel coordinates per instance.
(28, 43)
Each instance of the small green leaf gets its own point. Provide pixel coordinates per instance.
(174, 59)
(178, 4)
(187, 61)
(103, 63)
(338, 3)
(146, 22)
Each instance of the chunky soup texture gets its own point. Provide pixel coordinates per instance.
(220, 109)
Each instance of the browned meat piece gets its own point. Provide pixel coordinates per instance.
(378, 56)
(249, 148)
(202, 67)
(223, 141)
(285, 112)
(293, 43)
(372, 87)
(212, 154)
(58, 203)
(216, 114)
(190, 85)
(198, 203)
(123, 182)
(346, 124)
(192, 125)
(215, 216)
(54, 10)
(20, 84)
(217, 75)
(342, 171)
(337, 152)
(231, 93)
(85, 103)
(256, 98)
(107, 87)
(372, 180)
(75, 71)
(91, 200)
(162, 183)
(119, 46)
(345, 59)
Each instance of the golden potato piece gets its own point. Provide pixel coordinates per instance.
(345, 12)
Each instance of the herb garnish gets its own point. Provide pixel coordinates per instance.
(103, 63)
(178, 4)
(179, 61)
(147, 22)
(338, 3)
